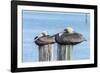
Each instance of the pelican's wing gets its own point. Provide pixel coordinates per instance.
(73, 37)
(47, 39)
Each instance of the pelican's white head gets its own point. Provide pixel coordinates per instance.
(44, 33)
(69, 30)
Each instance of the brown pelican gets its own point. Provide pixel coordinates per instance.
(65, 41)
(69, 38)
(44, 39)
(44, 42)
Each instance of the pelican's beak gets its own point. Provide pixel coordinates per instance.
(37, 37)
(34, 40)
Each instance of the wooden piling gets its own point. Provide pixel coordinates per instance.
(64, 52)
(69, 52)
(45, 53)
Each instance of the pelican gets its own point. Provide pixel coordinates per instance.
(69, 37)
(65, 41)
(44, 41)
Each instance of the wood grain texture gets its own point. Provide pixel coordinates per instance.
(64, 52)
(45, 53)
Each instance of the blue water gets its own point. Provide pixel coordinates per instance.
(34, 22)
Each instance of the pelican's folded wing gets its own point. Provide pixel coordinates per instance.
(75, 37)
(47, 39)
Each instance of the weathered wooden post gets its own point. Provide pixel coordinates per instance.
(44, 42)
(65, 41)
(64, 52)
(45, 53)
